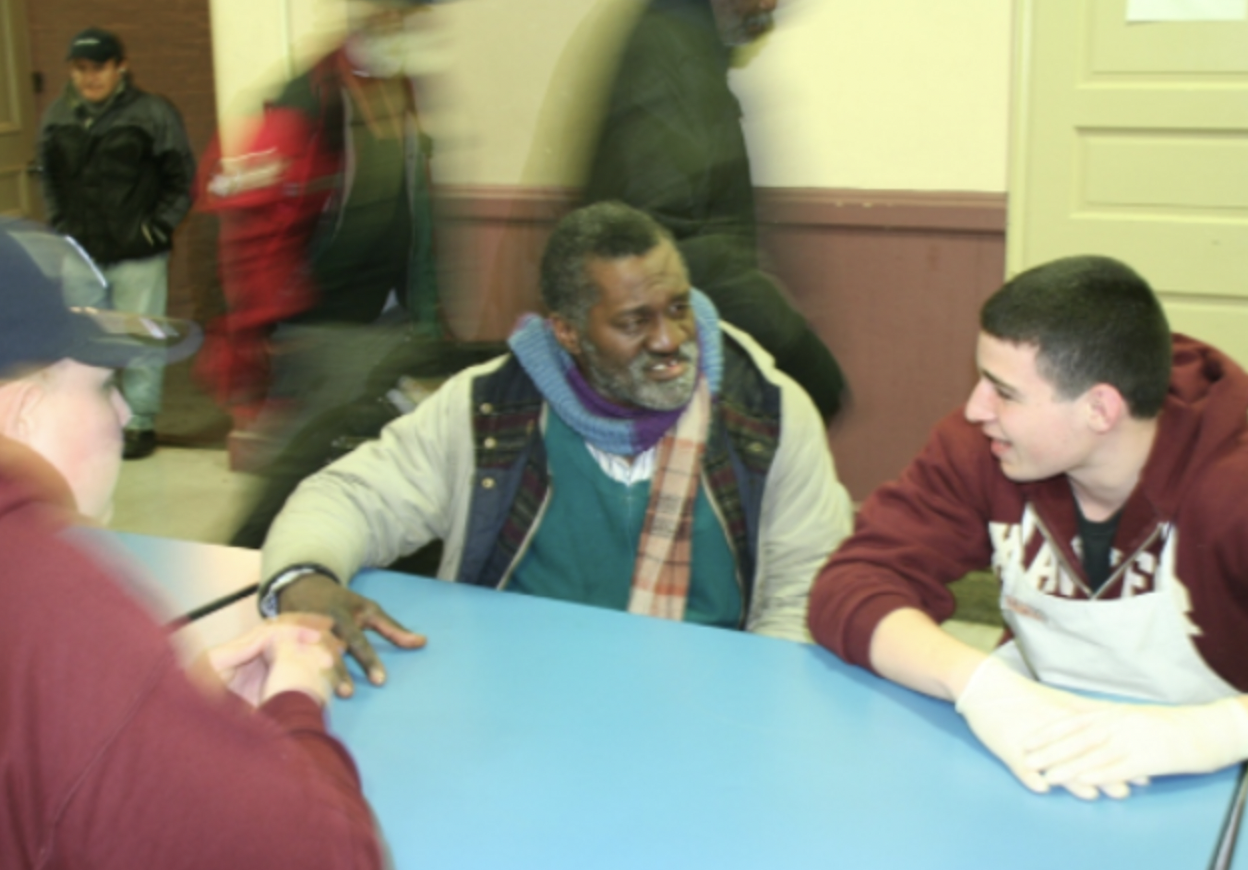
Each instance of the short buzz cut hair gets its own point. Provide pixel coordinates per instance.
(1093, 321)
(605, 230)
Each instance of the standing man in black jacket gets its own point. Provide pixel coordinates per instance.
(671, 144)
(117, 173)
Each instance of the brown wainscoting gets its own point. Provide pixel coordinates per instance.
(891, 280)
(490, 242)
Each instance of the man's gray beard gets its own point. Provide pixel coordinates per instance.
(630, 385)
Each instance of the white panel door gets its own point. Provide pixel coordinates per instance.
(1131, 140)
(18, 124)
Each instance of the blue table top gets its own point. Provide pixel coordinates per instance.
(533, 733)
(188, 575)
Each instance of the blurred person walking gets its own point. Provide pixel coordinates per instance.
(671, 144)
(117, 173)
(327, 230)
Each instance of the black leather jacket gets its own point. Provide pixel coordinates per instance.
(117, 180)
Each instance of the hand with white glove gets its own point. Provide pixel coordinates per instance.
(1005, 709)
(1124, 742)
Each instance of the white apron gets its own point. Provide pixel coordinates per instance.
(1138, 646)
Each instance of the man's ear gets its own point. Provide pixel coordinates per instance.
(568, 336)
(1105, 407)
(19, 399)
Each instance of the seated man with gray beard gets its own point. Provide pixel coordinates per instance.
(694, 480)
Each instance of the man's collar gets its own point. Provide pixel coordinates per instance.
(552, 370)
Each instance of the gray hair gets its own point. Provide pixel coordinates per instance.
(604, 230)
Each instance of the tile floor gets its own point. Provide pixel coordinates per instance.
(191, 494)
(181, 492)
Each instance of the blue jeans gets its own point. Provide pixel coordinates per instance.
(141, 286)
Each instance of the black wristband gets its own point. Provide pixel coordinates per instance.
(266, 596)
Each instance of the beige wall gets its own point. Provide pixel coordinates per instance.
(259, 44)
(887, 94)
(883, 94)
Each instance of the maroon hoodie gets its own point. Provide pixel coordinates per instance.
(930, 527)
(111, 759)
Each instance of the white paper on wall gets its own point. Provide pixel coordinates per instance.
(1139, 11)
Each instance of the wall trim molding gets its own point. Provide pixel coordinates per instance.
(946, 211)
(505, 203)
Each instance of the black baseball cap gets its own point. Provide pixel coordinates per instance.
(96, 45)
(41, 274)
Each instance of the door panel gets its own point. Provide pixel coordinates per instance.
(17, 121)
(1132, 140)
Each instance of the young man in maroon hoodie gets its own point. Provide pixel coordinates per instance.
(1100, 467)
(111, 756)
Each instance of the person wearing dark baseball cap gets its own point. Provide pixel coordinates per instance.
(116, 174)
(57, 362)
(116, 757)
(96, 45)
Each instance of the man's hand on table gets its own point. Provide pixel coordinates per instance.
(290, 653)
(1048, 737)
(1006, 710)
(1129, 742)
(351, 615)
(1002, 708)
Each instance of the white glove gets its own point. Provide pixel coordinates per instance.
(1005, 709)
(1118, 742)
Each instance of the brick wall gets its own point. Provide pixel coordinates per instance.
(169, 44)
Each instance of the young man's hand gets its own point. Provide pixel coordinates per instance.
(1005, 710)
(298, 666)
(1128, 742)
(351, 614)
(246, 664)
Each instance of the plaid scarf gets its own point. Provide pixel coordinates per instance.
(607, 426)
(665, 551)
